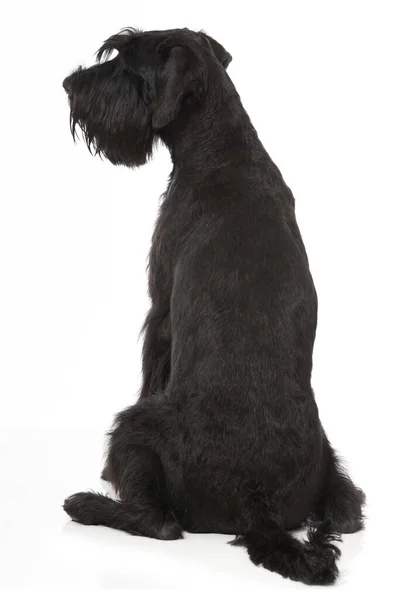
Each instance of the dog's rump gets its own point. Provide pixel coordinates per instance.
(210, 472)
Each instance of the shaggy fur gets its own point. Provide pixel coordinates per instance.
(225, 436)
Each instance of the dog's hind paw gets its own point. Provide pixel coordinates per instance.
(78, 507)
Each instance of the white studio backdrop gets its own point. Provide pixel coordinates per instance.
(320, 82)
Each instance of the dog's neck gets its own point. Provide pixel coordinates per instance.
(217, 135)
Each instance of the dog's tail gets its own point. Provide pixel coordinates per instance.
(312, 562)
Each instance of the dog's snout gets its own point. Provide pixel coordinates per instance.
(67, 84)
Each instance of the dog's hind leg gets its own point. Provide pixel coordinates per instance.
(137, 513)
(341, 502)
(135, 470)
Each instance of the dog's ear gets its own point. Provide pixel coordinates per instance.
(183, 75)
(219, 51)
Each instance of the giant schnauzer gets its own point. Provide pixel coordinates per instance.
(225, 436)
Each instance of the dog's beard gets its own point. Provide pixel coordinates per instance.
(114, 119)
(127, 148)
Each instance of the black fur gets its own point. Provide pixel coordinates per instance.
(225, 436)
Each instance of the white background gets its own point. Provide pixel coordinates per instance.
(320, 82)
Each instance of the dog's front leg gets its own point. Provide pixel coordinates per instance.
(156, 354)
(156, 358)
(156, 351)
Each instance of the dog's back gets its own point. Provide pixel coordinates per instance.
(242, 317)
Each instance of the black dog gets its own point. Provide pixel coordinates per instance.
(225, 436)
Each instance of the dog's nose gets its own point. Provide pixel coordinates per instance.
(67, 84)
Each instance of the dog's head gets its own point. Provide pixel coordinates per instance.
(121, 104)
